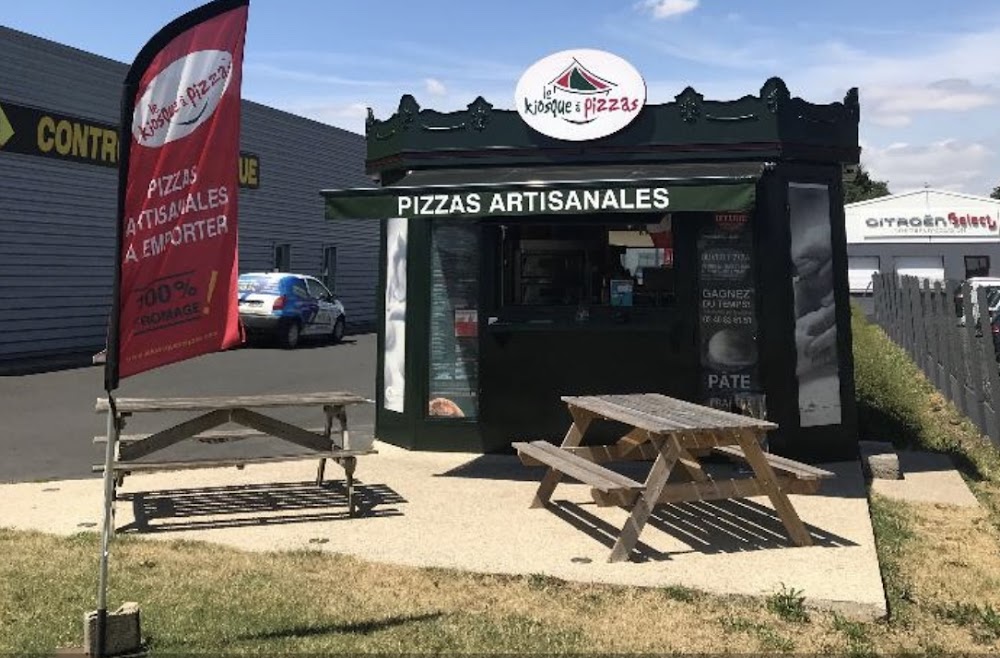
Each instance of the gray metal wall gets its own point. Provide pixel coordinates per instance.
(57, 218)
(953, 254)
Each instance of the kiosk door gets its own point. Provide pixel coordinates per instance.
(576, 309)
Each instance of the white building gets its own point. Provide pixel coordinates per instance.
(932, 234)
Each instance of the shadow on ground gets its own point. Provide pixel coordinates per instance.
(307, 343)
(354, 628)
(709, 527)
(508, 467)
(254, 505)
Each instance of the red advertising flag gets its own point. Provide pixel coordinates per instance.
(175, 293)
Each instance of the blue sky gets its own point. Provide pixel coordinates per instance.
(928, 73)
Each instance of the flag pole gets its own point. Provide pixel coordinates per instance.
(108, 525)
(111, 363)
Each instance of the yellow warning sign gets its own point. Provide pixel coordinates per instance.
(6, 130)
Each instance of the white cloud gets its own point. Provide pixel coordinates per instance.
(891, 105)
(435, 87)
(893, 83)
(310, 77)
(975, 54)
(668, 8)
(722, 89)
(754, 50)
(948, 164)
(335, 112)
(890, 120)
(896, 83)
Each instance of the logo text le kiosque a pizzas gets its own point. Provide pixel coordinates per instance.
(182, 97)
(577, 95)
(580, 95)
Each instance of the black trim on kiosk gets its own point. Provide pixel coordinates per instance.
(516, 268)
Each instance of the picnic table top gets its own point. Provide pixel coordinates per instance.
(133, 405)
(661, 414)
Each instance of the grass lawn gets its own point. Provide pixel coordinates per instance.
(941, 566)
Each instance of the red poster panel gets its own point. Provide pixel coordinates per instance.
(176, 293)
(466, 323)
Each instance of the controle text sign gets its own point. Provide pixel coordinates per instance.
(32, 131)
(579, 95)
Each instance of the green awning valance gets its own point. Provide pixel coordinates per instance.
(494, 192)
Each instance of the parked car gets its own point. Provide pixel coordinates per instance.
(995, 330)
(289, 307)
(992, 286)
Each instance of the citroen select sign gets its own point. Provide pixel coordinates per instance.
(579, 95)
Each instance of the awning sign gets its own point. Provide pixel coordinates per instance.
(177, 249)
(525, 199)
(639, 199)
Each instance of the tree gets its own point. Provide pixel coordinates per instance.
(863, 187)
(995, 194)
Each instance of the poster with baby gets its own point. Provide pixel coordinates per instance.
(816, 365)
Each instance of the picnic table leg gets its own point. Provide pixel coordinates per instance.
(691, 466)
(120, 475)
(349, 464)
(581, 421)
(328, 433)
(669, 450)
(764, 475)
(345, 439)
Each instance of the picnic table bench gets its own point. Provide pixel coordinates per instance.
(323, 443)
(672, 433)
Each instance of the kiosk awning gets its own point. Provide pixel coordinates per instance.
(499, 191)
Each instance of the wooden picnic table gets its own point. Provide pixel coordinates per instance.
(672, 433)
(323, 443)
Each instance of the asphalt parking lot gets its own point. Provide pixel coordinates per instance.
(48, 419)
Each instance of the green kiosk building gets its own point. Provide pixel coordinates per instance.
(699, 251)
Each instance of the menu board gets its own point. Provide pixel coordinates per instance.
(727, 313)
(454, 331)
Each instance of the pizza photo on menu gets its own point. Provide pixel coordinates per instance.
(732, 348)
(445, 407)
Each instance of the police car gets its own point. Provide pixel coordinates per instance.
(289, 307)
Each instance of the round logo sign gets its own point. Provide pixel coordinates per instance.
(579, 95)
(181, 97)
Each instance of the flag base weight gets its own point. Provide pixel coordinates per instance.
(122, 632)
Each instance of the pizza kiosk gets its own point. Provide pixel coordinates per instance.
(589, 242)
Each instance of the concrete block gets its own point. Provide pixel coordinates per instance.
(883, 467)
(879, 460)
(123, 634)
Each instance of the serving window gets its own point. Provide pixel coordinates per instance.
(565, 264)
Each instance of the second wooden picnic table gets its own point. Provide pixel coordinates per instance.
(245, 410)
(672, 433)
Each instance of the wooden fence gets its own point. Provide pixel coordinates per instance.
(959, 358)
